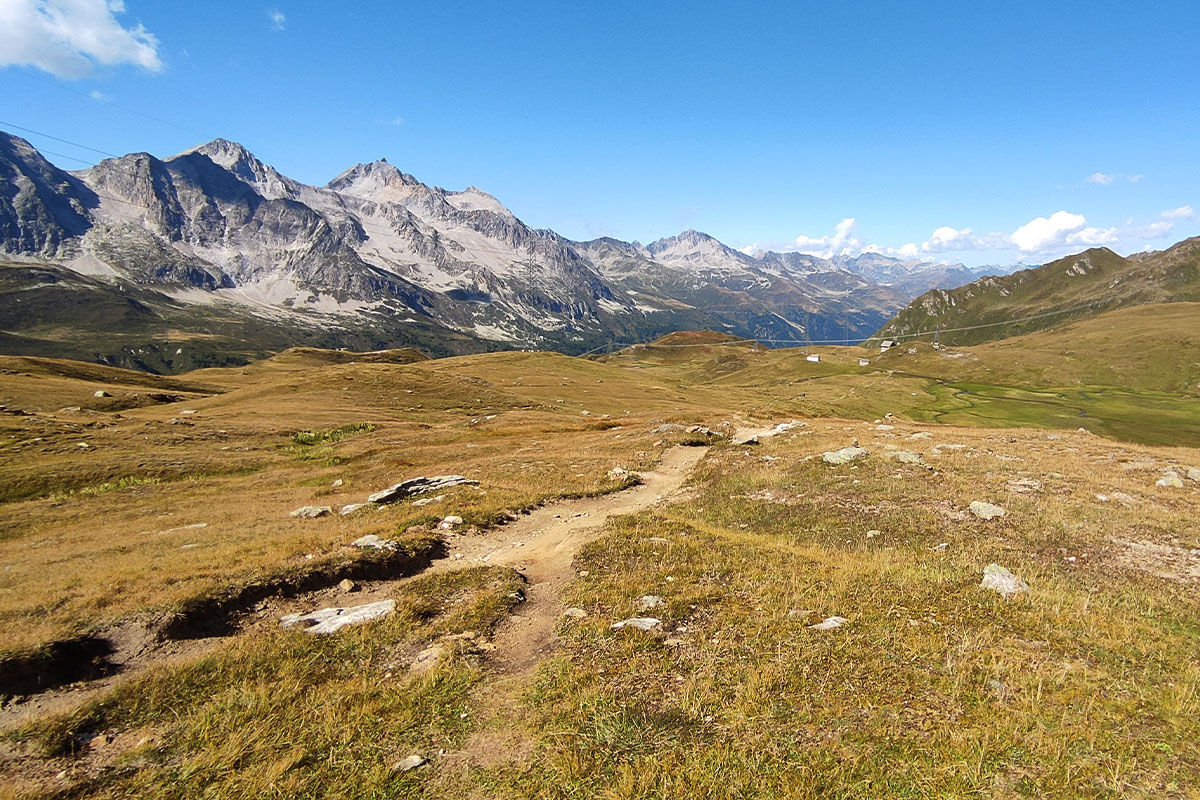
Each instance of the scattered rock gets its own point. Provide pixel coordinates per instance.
(828, 624)
(845, 455)
(350, 508)
(413, 486)
(873, 534)
(747, 441)
(655, 540)
(374, 542)
(885, 427)
(348, 585)
(921, 435)
(674, 641)
(650, 601)
(617, 474)
(338, 483)
(312, 512)
(409, 763)
(331, 620)
(575, 613)
(426, 659)
(999, 580)
(424, 501)
(941, 548)
(641, 623)
(906, 457)
(101, 393)
(1025, 486)
(985, 510)
(1170, 479)
(449, 522)
(1193, 474)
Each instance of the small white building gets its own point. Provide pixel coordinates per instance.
(887, 344)
(864, 362)
(812, 358)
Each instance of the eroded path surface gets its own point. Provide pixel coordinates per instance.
(543, 544)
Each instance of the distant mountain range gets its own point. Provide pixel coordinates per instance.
(212, 256)
(1071, 288)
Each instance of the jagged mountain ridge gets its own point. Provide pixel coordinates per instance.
(375, 251)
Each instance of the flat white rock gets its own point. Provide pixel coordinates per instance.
(985, 510)
(1000, 580)
(845, 455)
(641, 623)
(331, 620)
(828, 624)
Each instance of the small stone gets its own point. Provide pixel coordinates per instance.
(650, 601)
(1170, 479)
(641, 623)
(426, 659)
(583, 573)
(985, 511)
(347, 585)
(674, 641)
(921, 435)
(906, 457)
(617, 474)
(575, 613)
(350, 508)
(941, 548)
(312, 512)
(873, 534)
(449, 522)
(101, 393)
(409, 763)
(1193, 474)
(1000, 580)
(338, 483)
(828, 624)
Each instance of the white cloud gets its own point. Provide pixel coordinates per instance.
(908, 251)
(99, 96)
(1183, 212)
(1043, 234)
(750, 249)
(1093, 237)
(1100, 178)
(396, 121)
(278, 19)
(1155, 230)
(842, 242)
(1136, 178)
(68, 38)
(947, 238)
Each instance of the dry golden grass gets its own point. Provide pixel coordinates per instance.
(1086, 686)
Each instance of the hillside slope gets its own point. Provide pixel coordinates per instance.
(1075, 287)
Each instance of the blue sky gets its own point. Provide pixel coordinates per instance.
(973, 132)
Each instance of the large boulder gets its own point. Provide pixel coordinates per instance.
(414, 486)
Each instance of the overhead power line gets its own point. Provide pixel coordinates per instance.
(58, 139)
